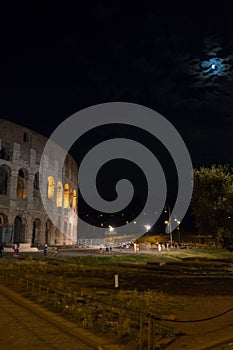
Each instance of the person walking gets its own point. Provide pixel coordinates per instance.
(15, 248)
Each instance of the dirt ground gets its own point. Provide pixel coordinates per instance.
(202, 301)
(202, 313)
(206, 322)
(202, 295)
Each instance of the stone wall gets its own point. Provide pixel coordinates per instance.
(23, 217)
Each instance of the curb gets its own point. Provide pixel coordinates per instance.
(86, 336)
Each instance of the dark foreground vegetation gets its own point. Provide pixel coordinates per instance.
(84, 288)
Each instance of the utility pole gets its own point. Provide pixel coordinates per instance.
(168, 222)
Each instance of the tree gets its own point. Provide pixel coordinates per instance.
(212, 201)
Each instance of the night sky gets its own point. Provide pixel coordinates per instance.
(55, 62)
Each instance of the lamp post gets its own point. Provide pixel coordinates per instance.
(178, 228)
(147, 227)
(168, 222)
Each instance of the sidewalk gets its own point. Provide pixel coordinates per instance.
(82, 335)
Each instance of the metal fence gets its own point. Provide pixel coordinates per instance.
(124, 324)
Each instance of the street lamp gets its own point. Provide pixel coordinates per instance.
(148, 227)
(168, 222)
(178, 228)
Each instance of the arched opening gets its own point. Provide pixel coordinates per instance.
(59, 194)
(51, 184)
(36, 232)
(5, 230)
(36, 182)
(22, 179)
(48, 231)
(74, 204)
(3, 219)
(70, 197)
(19, 230)
(66, 196)
(4, 174)
(4, 153)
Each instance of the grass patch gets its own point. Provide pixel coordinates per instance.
(175, 255)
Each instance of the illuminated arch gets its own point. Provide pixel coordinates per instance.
(59, 194)
(74, 203)
(22, 183)
(66, 196)
(71, 198)
(51, 184)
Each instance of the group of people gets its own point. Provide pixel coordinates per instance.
(16, 247)
(107, 249)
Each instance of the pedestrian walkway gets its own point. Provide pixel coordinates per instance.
(28, 326)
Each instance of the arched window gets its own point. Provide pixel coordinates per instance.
(71, 198)
(4, 154)
(74, 204)
(36, 182)
(50, 187)
(36, 231)
(19, 230)
(3, 219)
(5, 230)
(3, 179)
(66, 196)
(59, 194)
(48, 231)
(21, 190)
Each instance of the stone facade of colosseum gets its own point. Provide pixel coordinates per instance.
(23, 218)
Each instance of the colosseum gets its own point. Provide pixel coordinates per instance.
(23, 218)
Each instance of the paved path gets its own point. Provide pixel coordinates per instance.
(28, 326)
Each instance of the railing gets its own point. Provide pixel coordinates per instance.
(123, 323)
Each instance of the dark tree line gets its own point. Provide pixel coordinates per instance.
(212, 202)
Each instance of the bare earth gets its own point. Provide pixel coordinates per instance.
(203, 311)
(206, 333)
